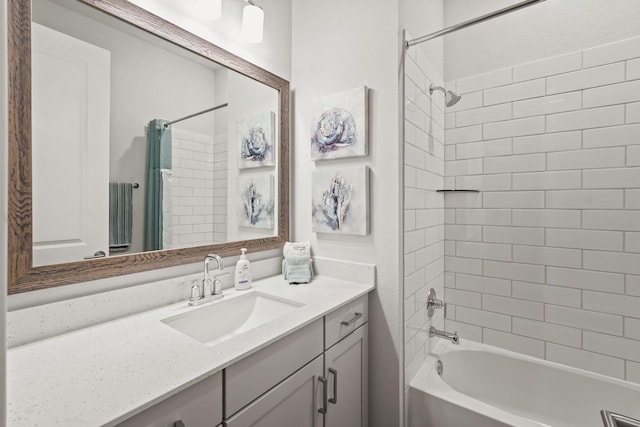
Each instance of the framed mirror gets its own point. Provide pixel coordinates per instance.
(135, 145)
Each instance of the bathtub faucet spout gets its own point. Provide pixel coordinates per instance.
(453, 337)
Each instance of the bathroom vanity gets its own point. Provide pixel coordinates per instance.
(305, 365)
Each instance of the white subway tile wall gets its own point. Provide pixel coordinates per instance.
(424, 212)
(545, 260)
(220, 187)
(193, 190)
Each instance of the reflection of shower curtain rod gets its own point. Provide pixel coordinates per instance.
(217, 107)
(471, 22)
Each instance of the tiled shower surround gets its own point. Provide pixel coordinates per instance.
(423, 206)
(545, 259)
(192, 189)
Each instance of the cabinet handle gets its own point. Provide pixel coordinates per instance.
(352, 321)
(323, 410)
(178, 423)
(334, 399)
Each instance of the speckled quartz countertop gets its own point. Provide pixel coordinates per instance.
(104, 374)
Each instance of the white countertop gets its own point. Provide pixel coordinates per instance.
(104, 374)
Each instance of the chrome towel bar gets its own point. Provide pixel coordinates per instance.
(611, 419)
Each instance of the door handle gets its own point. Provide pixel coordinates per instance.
(334, 399)
(323, 410)
(98, 254)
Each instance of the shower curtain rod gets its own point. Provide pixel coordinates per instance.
(217, 107)
(471, 22)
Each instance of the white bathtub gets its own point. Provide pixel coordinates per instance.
(484, 386)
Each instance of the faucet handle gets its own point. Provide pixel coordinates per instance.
(433, 303)
(195, 292)
(217, 286)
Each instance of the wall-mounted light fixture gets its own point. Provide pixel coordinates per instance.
(209, 9)
(252, 22)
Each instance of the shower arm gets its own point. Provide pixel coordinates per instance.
(471, 22)
(440, 88)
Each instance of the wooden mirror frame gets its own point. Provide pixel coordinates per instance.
(22, 276)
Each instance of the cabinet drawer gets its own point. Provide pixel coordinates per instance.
(198, 406)
(294, 402)
(252, 376)
(344, 320)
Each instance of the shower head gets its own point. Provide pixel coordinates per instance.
(450, 97)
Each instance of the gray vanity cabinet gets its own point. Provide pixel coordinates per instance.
(197, 406)
(329, 391)
(313, 377)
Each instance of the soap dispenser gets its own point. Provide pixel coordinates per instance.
(243, 272)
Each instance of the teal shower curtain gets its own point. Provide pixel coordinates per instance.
(159, 150)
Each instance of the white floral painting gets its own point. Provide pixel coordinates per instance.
(256, 201)
(256, 136)
(339, 125)
(340, 201)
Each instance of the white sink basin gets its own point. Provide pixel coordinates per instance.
(221, 320)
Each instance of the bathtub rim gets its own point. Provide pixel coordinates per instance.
(428, 381)
(445, 346)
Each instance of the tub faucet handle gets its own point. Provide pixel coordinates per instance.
(433, 303)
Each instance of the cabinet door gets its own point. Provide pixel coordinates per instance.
(346, 372)
(294, 402)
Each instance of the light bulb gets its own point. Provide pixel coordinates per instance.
(252, 23)
(210, 9)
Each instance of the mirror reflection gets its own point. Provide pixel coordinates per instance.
(139, 145)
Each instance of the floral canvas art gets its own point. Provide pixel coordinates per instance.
(256, 201)
(339, 125)
(340, 201)
(256, 135)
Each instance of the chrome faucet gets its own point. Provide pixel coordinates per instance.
(453, 337)
(208, 289)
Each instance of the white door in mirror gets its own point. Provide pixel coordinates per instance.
(71, 98)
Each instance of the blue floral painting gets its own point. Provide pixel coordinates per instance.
(339, 200)
(256, 136)
(256, 201)
(339, 125)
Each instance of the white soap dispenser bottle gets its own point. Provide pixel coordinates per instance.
(243, 272)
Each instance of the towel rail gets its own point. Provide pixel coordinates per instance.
(611, 419)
